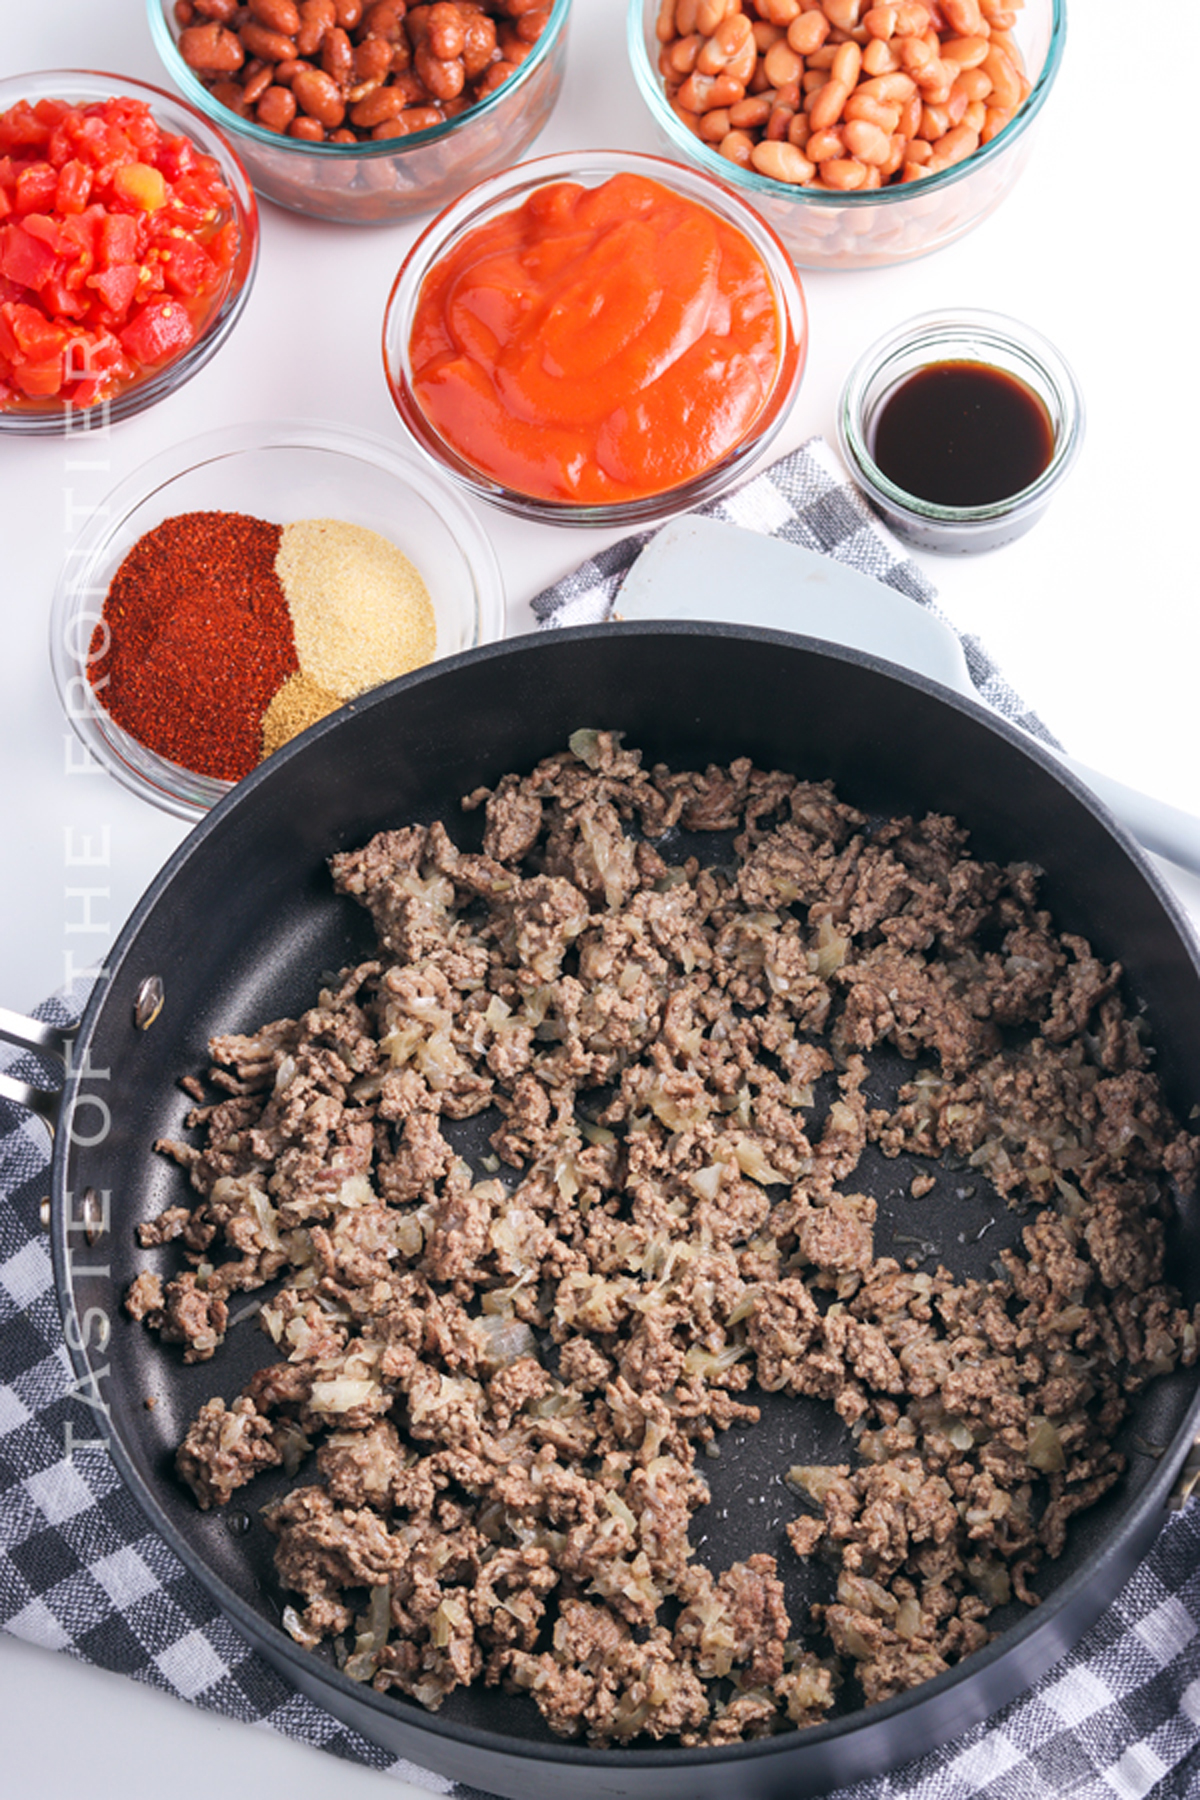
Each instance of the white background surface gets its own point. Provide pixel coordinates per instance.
(1093, 616)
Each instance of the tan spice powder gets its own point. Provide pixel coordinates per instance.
(360, 611)
(298, 704)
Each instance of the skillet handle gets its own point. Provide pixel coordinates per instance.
(1166, 830)
(52, 1041)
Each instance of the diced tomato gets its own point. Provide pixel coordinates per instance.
(187, 267)
(105, 352)
(176, 156)
(196, 200)
(90, 135)
(89, 359)
(224, 246)
(25, 259)
(39, 380)
(133, 117)
(37, 338)
(116, 246)
(120, 149)
(116, 287)
(118, 241)
(104, 148)
(62, 301)
(73, 250)
(33, 337)
(60, 145)
(21, 127)
(160, 329)
(49, 112)
(82, 230)
(74, 187)
(210, 172)
(48, 231)
(37, 185)
(86, 393)
(151, 277)
(78, 242)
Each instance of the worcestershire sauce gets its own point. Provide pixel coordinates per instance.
(962, 434)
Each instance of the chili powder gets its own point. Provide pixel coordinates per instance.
(195, 639)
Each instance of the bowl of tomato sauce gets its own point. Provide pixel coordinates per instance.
(595, 338)
(128, 246)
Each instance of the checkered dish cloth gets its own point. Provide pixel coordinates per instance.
(1118, 1719)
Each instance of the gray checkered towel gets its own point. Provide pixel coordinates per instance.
(1118, 1719)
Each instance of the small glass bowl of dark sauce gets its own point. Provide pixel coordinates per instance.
(959, 427)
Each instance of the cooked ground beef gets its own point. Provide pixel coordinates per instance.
(506, 1382)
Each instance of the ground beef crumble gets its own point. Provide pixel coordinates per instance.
(505, 1381)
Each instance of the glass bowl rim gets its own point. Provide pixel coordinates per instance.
(751, 182)
(507, 189)
(370, 150)
(140, 395)
(937, 331)
(182, 791)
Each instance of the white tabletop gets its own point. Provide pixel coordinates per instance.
(1093, 616)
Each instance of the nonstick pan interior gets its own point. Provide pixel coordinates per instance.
(240, 928)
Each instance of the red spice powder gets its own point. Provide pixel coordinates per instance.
(199, 639)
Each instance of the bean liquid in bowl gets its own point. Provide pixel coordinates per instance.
(959, 427)
(963, 434)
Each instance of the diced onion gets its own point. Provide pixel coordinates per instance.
(342, 1394)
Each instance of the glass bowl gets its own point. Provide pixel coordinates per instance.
(282, 471)
(80, 87)
(870, 228)
(961, 337)
(503, 194)
(380, 181)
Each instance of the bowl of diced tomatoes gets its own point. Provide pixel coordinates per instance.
(128, 245)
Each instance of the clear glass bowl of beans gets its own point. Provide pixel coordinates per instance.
(365, 112)
(129, 248)
(232, 593)
(655, 351)
(866, 134)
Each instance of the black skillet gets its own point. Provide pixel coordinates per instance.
(242, 923)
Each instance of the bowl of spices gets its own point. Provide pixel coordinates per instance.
(595, 338)
(225, 598)
(960, 427)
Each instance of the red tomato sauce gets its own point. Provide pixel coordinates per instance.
(596, 344)
(116, 246)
